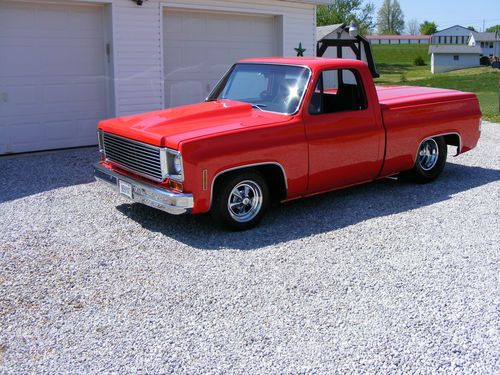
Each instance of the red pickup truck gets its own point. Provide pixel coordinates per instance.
(278, 129)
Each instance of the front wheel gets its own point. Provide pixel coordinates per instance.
(240, 201)
(431, 158)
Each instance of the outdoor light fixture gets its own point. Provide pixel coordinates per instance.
(138, 2)
(353, 30)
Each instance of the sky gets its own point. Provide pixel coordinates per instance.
(448, 13)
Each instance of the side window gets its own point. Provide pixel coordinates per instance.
(338, 91)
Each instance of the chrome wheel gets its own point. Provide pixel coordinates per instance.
(245, 201)
(428, 154)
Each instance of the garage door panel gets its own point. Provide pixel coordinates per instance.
(16, 17)
(87, 128)
(22, 95)
(78, 93)
(53, 73)
(65, 60)
(201, 46)
(58, 130)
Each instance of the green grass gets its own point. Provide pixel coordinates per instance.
(395, 65)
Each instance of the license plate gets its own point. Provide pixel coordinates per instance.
(125, 189)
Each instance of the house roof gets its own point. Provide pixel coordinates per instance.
(397, 37)
(458, 49)
(439, 31)
(323, 32)
(485, 37)
(315, 2)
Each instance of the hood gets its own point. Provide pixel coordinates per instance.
(169, 127)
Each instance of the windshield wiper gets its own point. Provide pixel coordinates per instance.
(259, 106)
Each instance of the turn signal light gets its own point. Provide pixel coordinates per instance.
(174, 185)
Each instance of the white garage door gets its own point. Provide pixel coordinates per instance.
(199, 47)
(52, 75)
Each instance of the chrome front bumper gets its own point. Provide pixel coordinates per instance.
(142, 192)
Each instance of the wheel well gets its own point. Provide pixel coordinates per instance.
(272, 173)
(453, 140)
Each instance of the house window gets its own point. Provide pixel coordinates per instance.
(491, 45)
(338, 91)
(482, 44)
(456, 57)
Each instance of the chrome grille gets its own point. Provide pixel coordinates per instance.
(133, 156)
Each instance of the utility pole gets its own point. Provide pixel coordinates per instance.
(484, 28)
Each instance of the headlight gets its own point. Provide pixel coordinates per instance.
(174, 165)
(177, 164)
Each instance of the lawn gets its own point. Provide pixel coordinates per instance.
(395, 65)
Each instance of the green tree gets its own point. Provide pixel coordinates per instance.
(345, 11)
(471, 28)
(428, 28)
(493, 29)
(390, 19)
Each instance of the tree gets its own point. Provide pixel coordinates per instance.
(390, 19)
(428, 28)
(493, 29)
(413, 27)
(345, 11)
(471, 28)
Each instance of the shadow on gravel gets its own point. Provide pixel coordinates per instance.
(314, 215)
(25, 175)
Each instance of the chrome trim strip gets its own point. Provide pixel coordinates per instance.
(150, 195)
(459, 148)
(148, 176)
(156, 148)
(243, 167)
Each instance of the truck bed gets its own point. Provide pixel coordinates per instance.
(399, 96)
(412, 114)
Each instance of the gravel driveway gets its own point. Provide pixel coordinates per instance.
(385, 277)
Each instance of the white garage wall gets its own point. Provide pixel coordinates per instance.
(441, 63)
(137, 43)
(132, 74)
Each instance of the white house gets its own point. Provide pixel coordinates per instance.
(452, 35)
(445, 58)
(64, 65)
(398, 39)
(489, 43)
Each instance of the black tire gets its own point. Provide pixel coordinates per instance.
(240, 200)
(428, 165)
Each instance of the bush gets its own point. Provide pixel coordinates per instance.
(418, 61)
(485, 61)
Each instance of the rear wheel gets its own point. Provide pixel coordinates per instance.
(240, 201)
(431, 158)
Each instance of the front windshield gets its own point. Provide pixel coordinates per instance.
(274, 88)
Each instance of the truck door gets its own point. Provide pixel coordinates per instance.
(346, 141)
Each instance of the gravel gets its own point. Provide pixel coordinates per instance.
(384, 277)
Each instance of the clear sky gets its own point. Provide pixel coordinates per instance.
(448, 13)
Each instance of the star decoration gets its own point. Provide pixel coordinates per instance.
(300, 50)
